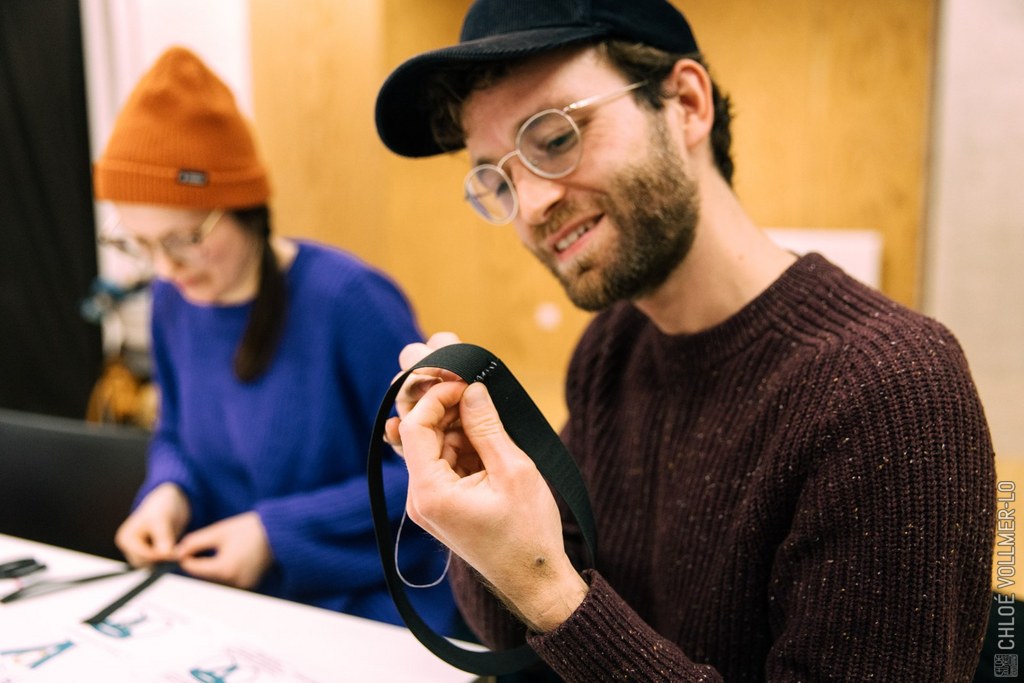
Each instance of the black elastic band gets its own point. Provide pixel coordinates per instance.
(155, 573)
(47, 586)
(531, 432)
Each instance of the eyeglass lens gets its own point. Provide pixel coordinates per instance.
(181, 248)
(490, 192)
(548, 145)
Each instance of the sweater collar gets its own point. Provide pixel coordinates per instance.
(810, 276)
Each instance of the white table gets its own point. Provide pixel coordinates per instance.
(322, 646)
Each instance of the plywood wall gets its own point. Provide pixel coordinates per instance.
(316, 69)
(832, 111)
(831, 123)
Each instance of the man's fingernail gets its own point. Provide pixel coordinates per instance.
(475, 395)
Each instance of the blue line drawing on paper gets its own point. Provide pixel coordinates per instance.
(136, 622)
(118, 629)
(32, 657)
(214, 676)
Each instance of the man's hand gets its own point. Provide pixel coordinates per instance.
(479, 494)
(149, 534)
(234, 551)
(417, 383)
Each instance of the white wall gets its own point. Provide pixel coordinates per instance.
(858, 252)
(974, 279)
(122, 39)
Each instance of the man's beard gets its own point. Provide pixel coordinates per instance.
(654, 207)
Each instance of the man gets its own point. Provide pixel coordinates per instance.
(792, 476)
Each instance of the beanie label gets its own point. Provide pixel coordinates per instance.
(193, 178)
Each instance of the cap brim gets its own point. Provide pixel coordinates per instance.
(403, 119)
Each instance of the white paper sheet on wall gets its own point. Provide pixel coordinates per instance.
(858, 252)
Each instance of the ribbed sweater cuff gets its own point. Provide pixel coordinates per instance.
(166, 466)
(604, 640)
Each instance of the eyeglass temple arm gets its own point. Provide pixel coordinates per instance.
(595, 99)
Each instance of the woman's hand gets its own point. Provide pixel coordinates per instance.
(234, 551)
(150, 533)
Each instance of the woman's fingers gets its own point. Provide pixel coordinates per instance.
(414, 353)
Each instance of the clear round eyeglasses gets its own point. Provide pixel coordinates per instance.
(181, 247)
(549, 145)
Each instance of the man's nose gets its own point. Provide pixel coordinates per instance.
(537, 195)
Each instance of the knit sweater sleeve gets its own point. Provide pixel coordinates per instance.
(886, 569)
(165, 463)
(330, 525)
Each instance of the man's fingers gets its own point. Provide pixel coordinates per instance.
(417, 384)
(439, 339)
(414, 353)
(421, 431)
(483, 428)
(392, 435)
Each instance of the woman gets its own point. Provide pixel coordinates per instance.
(271, 356)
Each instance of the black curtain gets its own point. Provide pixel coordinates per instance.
(49, 355)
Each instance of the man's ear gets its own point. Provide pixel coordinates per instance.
(690, 86)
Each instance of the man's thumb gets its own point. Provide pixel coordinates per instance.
(479, 417)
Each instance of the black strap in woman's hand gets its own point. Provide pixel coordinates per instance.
(531, 432)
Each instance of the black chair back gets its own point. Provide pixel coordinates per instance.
(65, 482)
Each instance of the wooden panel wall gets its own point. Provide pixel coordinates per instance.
(832, 110)
(831, 123)
(316, 70)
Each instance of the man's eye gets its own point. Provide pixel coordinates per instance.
(493, 182)
(560, 144)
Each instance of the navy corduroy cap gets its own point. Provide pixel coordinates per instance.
(503, 29)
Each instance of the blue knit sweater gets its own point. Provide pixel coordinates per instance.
(292, 444)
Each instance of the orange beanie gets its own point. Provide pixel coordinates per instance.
(180, 140)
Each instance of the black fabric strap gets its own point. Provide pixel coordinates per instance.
(531, 432)
(47, 586)
(154, 574)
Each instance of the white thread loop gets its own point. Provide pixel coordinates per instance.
(436, 582)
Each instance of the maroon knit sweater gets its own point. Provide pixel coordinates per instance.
(802, 493)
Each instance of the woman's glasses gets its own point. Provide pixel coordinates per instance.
(180, 247)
